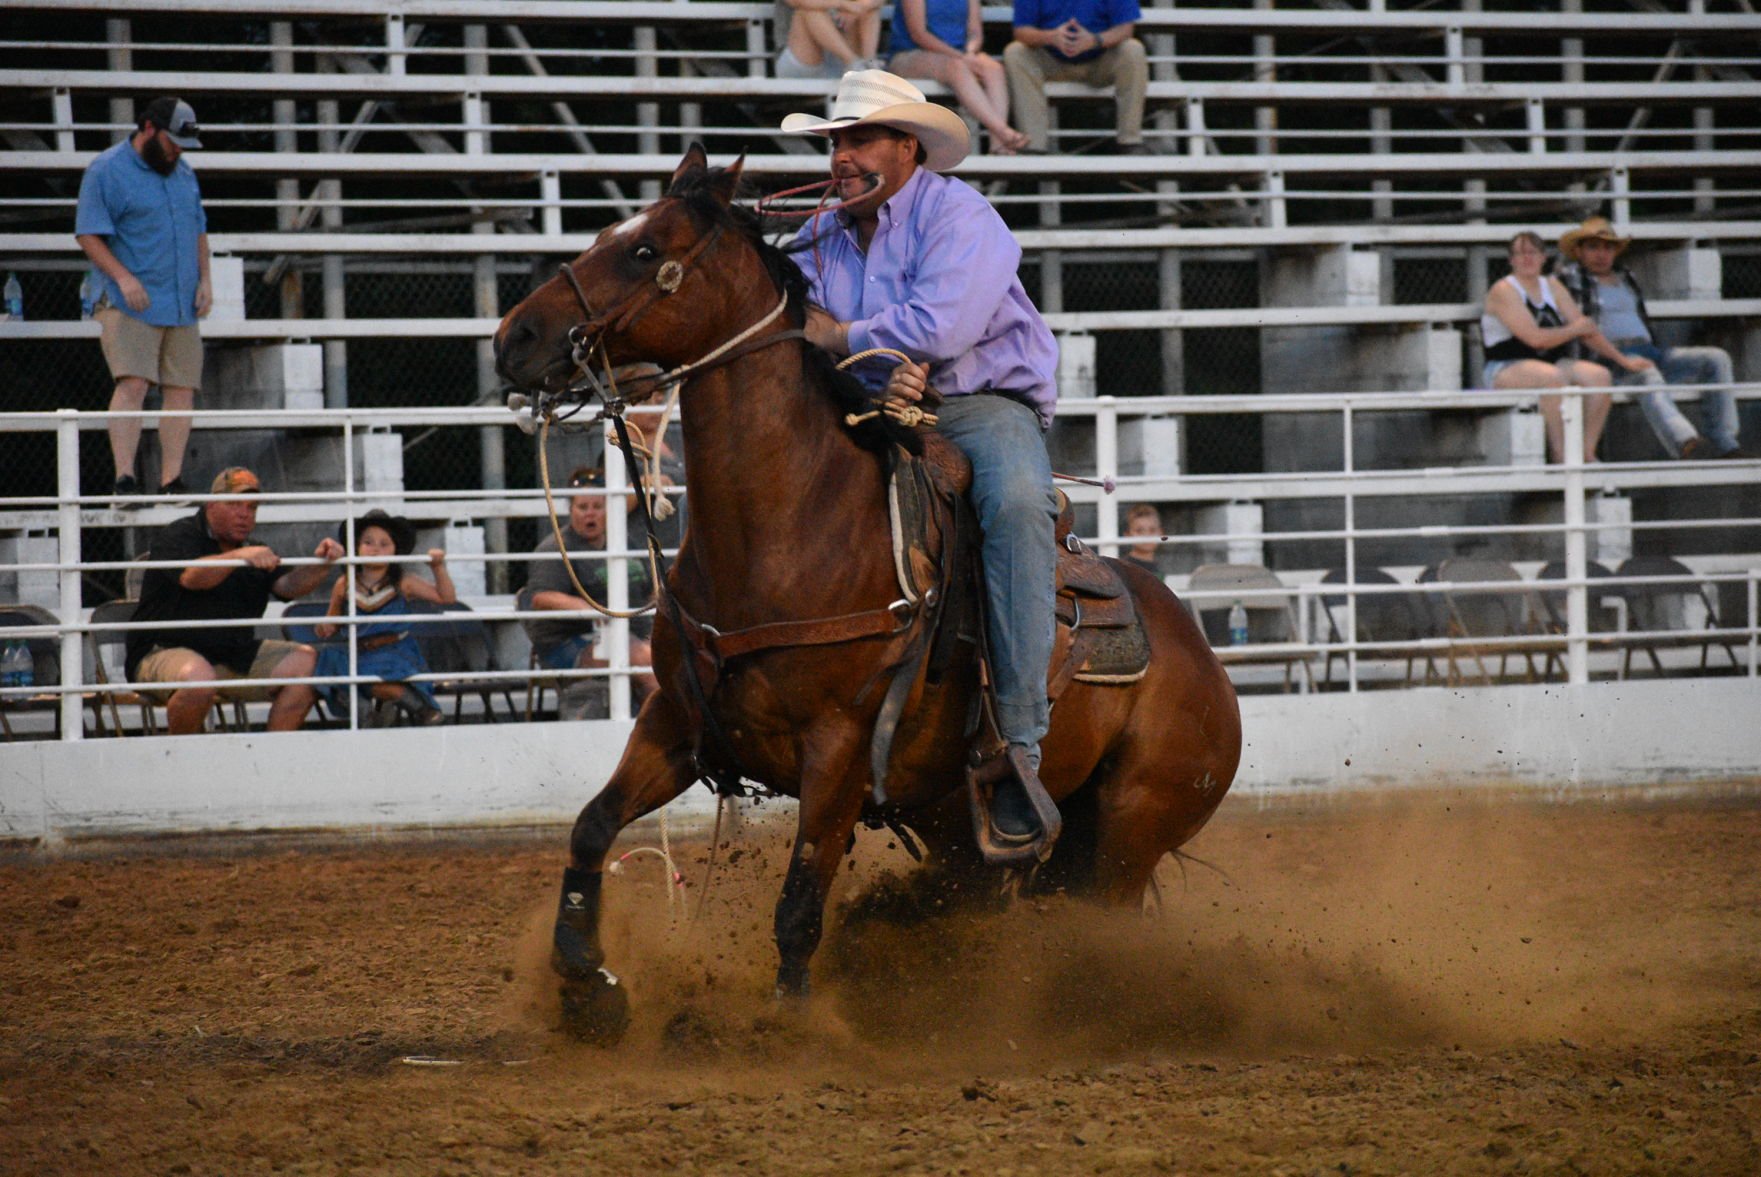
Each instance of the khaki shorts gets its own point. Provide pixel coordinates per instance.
(170, 357)
(161, 664)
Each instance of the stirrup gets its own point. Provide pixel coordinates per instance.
(1000, 849)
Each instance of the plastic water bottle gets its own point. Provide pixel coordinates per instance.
(1237, 625)
(14, 298)
(17, 668)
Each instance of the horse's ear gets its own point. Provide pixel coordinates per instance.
(695, 161)
(727, 181)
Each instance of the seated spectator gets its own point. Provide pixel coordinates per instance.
(212, 588)
(1145, 521)
(568, 642)
(827, 38)
(1087, 41)
(944, 40)
(1610, 295)
(1529, 325)
(384, 648)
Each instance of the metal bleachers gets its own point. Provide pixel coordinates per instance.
(1327, 195)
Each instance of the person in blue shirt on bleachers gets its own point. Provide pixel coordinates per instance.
(943, 40)
(140, 222)
(1087, 41)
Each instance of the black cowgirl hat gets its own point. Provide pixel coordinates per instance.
(403, 536)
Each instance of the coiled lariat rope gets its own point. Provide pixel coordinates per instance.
(904, 412)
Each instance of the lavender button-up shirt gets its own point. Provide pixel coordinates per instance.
(939, 284)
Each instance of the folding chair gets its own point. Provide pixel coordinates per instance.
(45, 669)
(1271, 616)
(539, 678)
(108, 651)
(1482, 621)
(458, 648)
(1381, 618)
(1659, 608)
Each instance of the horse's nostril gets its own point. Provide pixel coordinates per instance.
(513, 345)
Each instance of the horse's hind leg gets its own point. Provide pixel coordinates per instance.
(655, 768)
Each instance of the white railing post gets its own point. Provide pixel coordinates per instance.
(1754, 624)
(351, 512)
(1454, 53)
(62, 102)
(550, 191)
(617, 585)
(396, 59)
(1350, 466)
(1620, 195)
(1537, 120)
(1107, 466)
(73, 723)
(1577, 616)
(1276, 217)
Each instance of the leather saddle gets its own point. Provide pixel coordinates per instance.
(1099, 638)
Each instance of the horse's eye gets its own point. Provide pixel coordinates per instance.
(646, 253)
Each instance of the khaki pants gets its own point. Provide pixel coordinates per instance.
(164, 664)
(1124, 67)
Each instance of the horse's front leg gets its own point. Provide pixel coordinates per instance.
(655, 768)
(833, 783)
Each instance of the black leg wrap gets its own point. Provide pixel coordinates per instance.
(575, 952)
(595, 1007)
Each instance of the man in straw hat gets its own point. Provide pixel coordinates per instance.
(213, 585)
(919, 262)
(1610, 295)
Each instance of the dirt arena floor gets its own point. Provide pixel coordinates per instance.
(1449, 983)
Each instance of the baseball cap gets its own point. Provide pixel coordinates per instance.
(235, 480)
(175, 118)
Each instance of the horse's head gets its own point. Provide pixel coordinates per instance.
(662, 287)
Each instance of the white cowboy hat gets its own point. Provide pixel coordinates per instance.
(871, 96)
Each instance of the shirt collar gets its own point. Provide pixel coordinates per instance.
(897, 206)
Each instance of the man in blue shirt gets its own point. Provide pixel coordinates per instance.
(1087, 41)
(141, 224)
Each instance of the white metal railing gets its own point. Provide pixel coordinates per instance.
(72, 510)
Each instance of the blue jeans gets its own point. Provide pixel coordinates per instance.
(1687, 365)
(1017, 509)
(566, 654)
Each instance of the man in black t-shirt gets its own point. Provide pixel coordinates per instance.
(214, 586)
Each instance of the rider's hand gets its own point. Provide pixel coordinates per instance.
(204, 298)
(328, 550)
(1636, 363)
(824, 331)
(906, 384)
(436, 557)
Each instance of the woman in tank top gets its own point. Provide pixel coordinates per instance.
(1529, 324)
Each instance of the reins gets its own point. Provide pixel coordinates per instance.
(587, 344)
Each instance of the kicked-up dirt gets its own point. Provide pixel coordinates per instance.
(1445, 983)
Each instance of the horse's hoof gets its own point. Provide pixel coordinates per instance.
(596, 1009)
(790, 994)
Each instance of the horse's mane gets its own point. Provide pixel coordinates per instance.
(698, 189)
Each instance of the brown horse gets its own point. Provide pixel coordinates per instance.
(789, 523)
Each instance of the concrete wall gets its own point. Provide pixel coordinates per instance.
(1635, 735)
